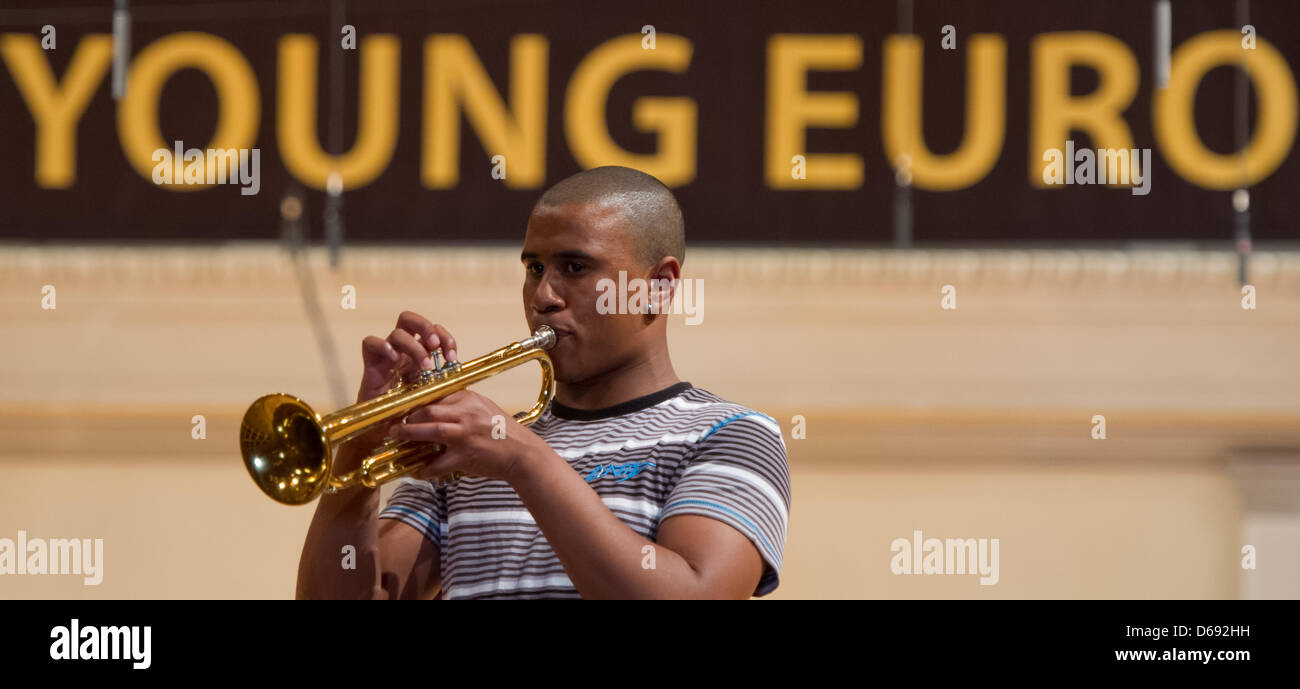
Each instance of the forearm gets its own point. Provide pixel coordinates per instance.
(602, 556)
(348, 518)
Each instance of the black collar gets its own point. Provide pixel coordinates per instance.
(572, 414)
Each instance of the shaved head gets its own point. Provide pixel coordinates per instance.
(644, 203)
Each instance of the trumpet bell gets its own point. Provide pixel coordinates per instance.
(284, 449)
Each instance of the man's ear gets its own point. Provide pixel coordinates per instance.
(664, 277)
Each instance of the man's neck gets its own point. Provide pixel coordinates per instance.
(638, 378)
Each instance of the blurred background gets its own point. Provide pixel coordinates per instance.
(885, 268)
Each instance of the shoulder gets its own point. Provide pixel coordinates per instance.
(735, 447)
(720, 421)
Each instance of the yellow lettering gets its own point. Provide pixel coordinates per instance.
(792, 109)
(56, 108)
(674, 120)
(376, 119)
(239, 105)
(455, 80)
(1275, 128)
(986, 87)
(1054, 113)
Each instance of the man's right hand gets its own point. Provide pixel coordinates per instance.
(406, 349)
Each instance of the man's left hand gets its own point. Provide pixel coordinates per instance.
(480, 438)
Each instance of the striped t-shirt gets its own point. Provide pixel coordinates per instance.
(682, 450)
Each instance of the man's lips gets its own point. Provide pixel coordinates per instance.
(562, 338)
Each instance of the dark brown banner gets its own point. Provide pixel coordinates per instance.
(810, 121)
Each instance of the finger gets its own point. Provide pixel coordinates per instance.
(405, 343)
(434, 412)
(376, 351)
(433, 336)
(379, 360)
(455, 408)
(422, 328)
(443, 338)
(437, 432)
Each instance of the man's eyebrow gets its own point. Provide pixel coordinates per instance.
(570, 253)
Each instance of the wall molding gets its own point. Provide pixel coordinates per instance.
(241, 262)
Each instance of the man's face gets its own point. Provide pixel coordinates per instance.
(567, 250)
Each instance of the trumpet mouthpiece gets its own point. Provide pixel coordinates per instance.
(543, 337)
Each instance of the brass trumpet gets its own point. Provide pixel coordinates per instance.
(287, 447)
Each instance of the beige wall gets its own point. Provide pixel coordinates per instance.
(966, 423)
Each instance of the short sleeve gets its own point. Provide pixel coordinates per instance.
(420, 505)
(739, 475)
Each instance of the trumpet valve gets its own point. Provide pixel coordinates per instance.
(440, 371)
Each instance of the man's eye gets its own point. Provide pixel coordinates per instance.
(575, 267)
(534, 268)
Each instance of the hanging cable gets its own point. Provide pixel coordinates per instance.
(291, 233)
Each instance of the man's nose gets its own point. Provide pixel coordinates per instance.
(546, 298)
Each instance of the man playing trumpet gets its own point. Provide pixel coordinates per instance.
(632, 483)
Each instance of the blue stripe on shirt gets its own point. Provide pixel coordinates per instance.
(728, 510)
(422, 517)
(718, 426)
